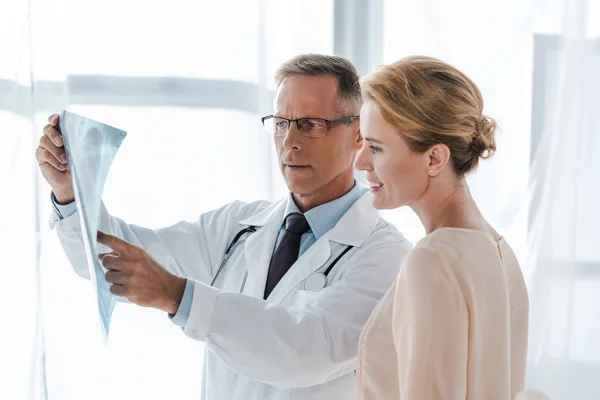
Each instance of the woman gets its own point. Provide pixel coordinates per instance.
(454, 325)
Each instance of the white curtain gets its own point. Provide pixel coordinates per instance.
(564, 229)
(189, 80)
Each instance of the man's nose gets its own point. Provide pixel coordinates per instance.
(293, 137)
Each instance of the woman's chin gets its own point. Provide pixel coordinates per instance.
(380, 203)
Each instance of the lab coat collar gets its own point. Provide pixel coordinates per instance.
(351, 230)
(267, 215)
(356, 224)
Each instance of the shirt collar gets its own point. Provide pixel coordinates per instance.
(324, 217)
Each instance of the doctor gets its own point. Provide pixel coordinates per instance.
(278, 292)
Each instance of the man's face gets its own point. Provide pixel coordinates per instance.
(314, 167)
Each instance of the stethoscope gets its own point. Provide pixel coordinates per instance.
(314, 283)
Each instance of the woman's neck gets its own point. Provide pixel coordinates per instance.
(449, 204)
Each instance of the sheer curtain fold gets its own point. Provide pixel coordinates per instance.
(564, 262)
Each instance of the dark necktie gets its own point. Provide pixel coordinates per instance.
(287, 251)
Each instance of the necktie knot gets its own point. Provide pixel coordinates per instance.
(296, 223)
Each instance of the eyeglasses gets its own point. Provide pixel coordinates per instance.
(309, 127)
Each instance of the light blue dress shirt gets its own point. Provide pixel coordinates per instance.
(63, 211)
(320, 219)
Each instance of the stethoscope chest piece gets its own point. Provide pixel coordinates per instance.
(315, 282)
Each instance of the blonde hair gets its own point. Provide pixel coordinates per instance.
(430, 102)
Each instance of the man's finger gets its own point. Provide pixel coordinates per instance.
(118, 245)
(53, 119)
(116, 277)
(43, 156)
(58, 152)
(111, 261)
(54, 135)
(118, 290)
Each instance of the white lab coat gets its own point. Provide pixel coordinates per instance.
(296, 344)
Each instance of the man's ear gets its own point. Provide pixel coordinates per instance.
(359, 139)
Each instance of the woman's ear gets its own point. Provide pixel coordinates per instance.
(439, 155)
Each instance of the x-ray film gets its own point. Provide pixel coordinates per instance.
(91, 147)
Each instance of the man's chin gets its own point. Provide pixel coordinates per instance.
(300, 186)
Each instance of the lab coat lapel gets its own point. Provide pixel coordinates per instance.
(310, 261)
(258, 250)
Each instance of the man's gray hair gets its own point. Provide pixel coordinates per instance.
(326, 65)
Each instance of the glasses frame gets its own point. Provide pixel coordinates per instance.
(328, 123)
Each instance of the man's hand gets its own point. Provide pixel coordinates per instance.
(135, 275)
(53, 162)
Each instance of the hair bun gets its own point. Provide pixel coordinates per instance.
(484, 143)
